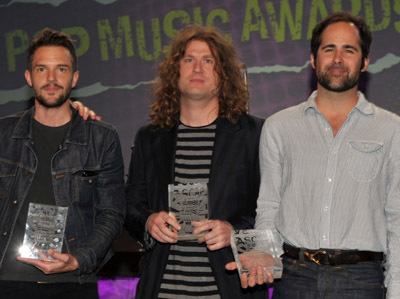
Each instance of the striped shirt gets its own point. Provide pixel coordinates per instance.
(188, 272)
(324, 191)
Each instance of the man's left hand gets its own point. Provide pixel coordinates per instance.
(64, 263)
(258, 263)
(219, 234)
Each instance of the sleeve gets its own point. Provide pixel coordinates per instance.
(392, 211)
(138, 210)
(271, 168)
(109, 209)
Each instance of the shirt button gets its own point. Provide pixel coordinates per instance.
(324, 238)
(5, 234)
(325, 209)
(329, 180)
(327, 129)
(333, 153)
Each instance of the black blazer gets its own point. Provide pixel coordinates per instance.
(233, 190)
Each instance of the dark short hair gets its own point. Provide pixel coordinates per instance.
(363, 30)
(49, 37)
(233, 95)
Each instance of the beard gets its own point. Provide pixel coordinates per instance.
(58, 102)
(345, 83)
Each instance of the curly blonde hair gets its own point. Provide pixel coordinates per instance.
(233, 94)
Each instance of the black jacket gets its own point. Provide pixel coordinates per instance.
(233, 191)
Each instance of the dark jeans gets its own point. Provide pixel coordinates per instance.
(308, 280)
(34, 290)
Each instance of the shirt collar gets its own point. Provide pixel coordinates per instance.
(76, 133)
(363, 105)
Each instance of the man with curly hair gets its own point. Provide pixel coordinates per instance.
(199, 132)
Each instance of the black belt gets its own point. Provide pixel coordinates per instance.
(333, 257)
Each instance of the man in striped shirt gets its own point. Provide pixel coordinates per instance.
(331, 178)
(199, 132)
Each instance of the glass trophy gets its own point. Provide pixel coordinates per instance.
(187, 203)
(252, 248)
(44, 230)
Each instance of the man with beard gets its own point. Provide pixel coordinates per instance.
(49, 155)
(330, 178)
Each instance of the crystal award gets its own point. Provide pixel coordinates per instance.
(44, 230)
(252, 248)
(187, 203)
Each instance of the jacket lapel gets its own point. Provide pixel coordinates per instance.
(163, 146)
(227, 145)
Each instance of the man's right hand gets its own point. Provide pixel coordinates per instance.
(64, 262)
(163, 227)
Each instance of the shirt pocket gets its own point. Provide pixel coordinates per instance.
(364, 159)
(86, 182)
(7, 175)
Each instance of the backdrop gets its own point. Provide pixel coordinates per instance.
(120, 42)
